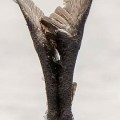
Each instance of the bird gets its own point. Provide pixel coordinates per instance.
(67, 19)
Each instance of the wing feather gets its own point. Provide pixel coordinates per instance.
(63, 13)
(31, 11)
(58, 18)
(76, 8)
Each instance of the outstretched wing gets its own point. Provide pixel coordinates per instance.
(31, 12)
(70, 16)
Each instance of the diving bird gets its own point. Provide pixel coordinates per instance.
(61, 33)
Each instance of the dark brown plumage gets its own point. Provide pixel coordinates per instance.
(57, 40)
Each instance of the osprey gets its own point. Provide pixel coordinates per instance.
(61, 33)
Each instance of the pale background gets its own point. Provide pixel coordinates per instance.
(22, 90)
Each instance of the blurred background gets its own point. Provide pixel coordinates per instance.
(97, 72)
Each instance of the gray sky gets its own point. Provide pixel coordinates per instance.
(22, 91)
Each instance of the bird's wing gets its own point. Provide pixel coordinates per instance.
(76, 9)
(30, 11)
(70, 16)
